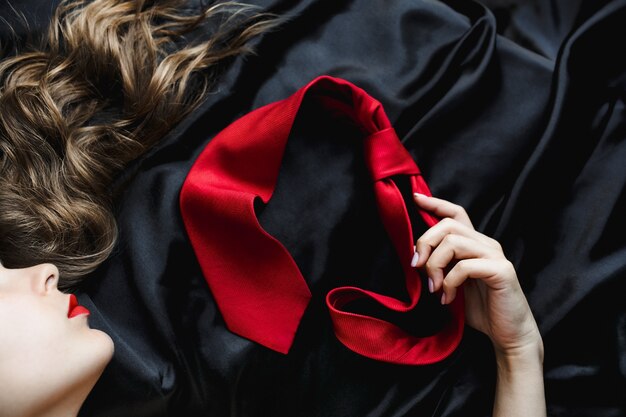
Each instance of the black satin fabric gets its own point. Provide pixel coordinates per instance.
(514, 110)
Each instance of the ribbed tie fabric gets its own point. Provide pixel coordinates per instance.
(256, 284)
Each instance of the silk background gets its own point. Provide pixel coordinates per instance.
(515, 110)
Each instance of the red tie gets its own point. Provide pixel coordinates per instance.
(256, 283)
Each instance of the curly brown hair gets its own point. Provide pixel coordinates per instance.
(105, 82)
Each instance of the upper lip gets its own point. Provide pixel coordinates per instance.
(74, 309)
(73, 303)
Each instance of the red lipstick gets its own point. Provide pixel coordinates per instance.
(74, 309)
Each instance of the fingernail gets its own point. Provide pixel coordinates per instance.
(443, 298)
(416, 258)
(418, 194)
(431, 285)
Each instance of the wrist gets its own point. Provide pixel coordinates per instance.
(527, 357)
(520, 385)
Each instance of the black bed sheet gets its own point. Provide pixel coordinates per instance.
(515, 110)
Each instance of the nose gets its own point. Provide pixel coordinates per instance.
(46, 277)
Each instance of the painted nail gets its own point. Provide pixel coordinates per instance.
(431, 285)
(443, 298)
(416, 258)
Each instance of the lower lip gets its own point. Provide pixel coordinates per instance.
(78, 311)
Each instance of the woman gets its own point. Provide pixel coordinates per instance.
(75, 112)
(105, 82)
(50, 359)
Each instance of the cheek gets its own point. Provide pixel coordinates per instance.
(31, 334)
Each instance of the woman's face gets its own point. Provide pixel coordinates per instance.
(49, 357)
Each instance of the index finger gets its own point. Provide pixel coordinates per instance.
(443, 208)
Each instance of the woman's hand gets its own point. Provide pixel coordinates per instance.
(453, 251)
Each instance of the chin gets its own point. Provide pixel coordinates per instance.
(107, 345)
(102, 348)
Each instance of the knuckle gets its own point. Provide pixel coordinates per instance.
(458, 209)
(447, 223)
(448, 287)
(450, 240)
(508, 268)
(495, 244)
(461, 266)
(429, 265)
(432, 268)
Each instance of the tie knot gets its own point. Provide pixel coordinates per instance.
(386, 156)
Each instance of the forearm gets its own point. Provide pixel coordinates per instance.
(520, 387)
